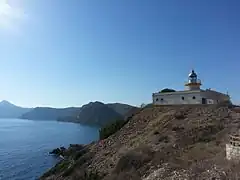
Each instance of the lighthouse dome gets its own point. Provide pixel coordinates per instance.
(192, 74)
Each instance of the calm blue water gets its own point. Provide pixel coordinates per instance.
(24, 145)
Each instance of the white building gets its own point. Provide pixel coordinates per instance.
(192, 95)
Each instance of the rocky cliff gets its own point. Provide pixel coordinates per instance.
(99, 114)
(168, 142)
(93, 113)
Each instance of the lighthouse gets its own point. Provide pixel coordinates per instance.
(193, 94)
(193, 82)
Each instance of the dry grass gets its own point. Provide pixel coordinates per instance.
(189, 139)
(134, 159)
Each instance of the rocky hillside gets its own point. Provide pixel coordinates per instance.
(170, 142)
(93, 113)
(120, 108)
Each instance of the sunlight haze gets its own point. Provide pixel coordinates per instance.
(11, 14)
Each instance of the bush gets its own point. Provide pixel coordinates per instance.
(164, 138)
(130, 174)
(179, 115)
(61, 166)
(149, 105)
(79, 154)
(134, 159)
(68, 171)
(112, 128)
(166, 90)
(83, 174)
(92, 176)
(177, 128)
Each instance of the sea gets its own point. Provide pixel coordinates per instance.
(25, 145)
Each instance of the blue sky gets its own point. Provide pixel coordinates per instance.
(66, 53)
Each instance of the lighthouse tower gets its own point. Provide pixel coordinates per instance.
(193, 82)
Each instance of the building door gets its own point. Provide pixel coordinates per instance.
(204, 101)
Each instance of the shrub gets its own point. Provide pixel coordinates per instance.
(177, 128)
(226, 103)
(92, 176)
(149, 106)
(179, 115)
(68, 171)
(166, 90)
(83, 174)
(164, 138)
(83, 159)
(61, 166)
(134, 159)
(80, 153)
(112, 128)
(130, 174)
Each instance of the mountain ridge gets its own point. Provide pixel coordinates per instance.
(93, 113)
(10, 110)
(48, 113)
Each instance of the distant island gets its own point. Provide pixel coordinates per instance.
(49, 114)
(9, 110)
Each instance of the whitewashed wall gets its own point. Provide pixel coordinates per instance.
(176, 98)
(212, 97)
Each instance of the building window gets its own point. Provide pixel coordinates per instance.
(194, 97)
(182, 98)
(161, 99)
(157, 99)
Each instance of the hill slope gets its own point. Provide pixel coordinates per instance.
(9, 110)
(171, 142)
(97, 113)
(121, 109)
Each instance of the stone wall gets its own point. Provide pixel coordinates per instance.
(232, 152)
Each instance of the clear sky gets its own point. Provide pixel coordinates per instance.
(68, 52)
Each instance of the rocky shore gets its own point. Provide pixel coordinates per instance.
(59, 151)
(172, 142)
